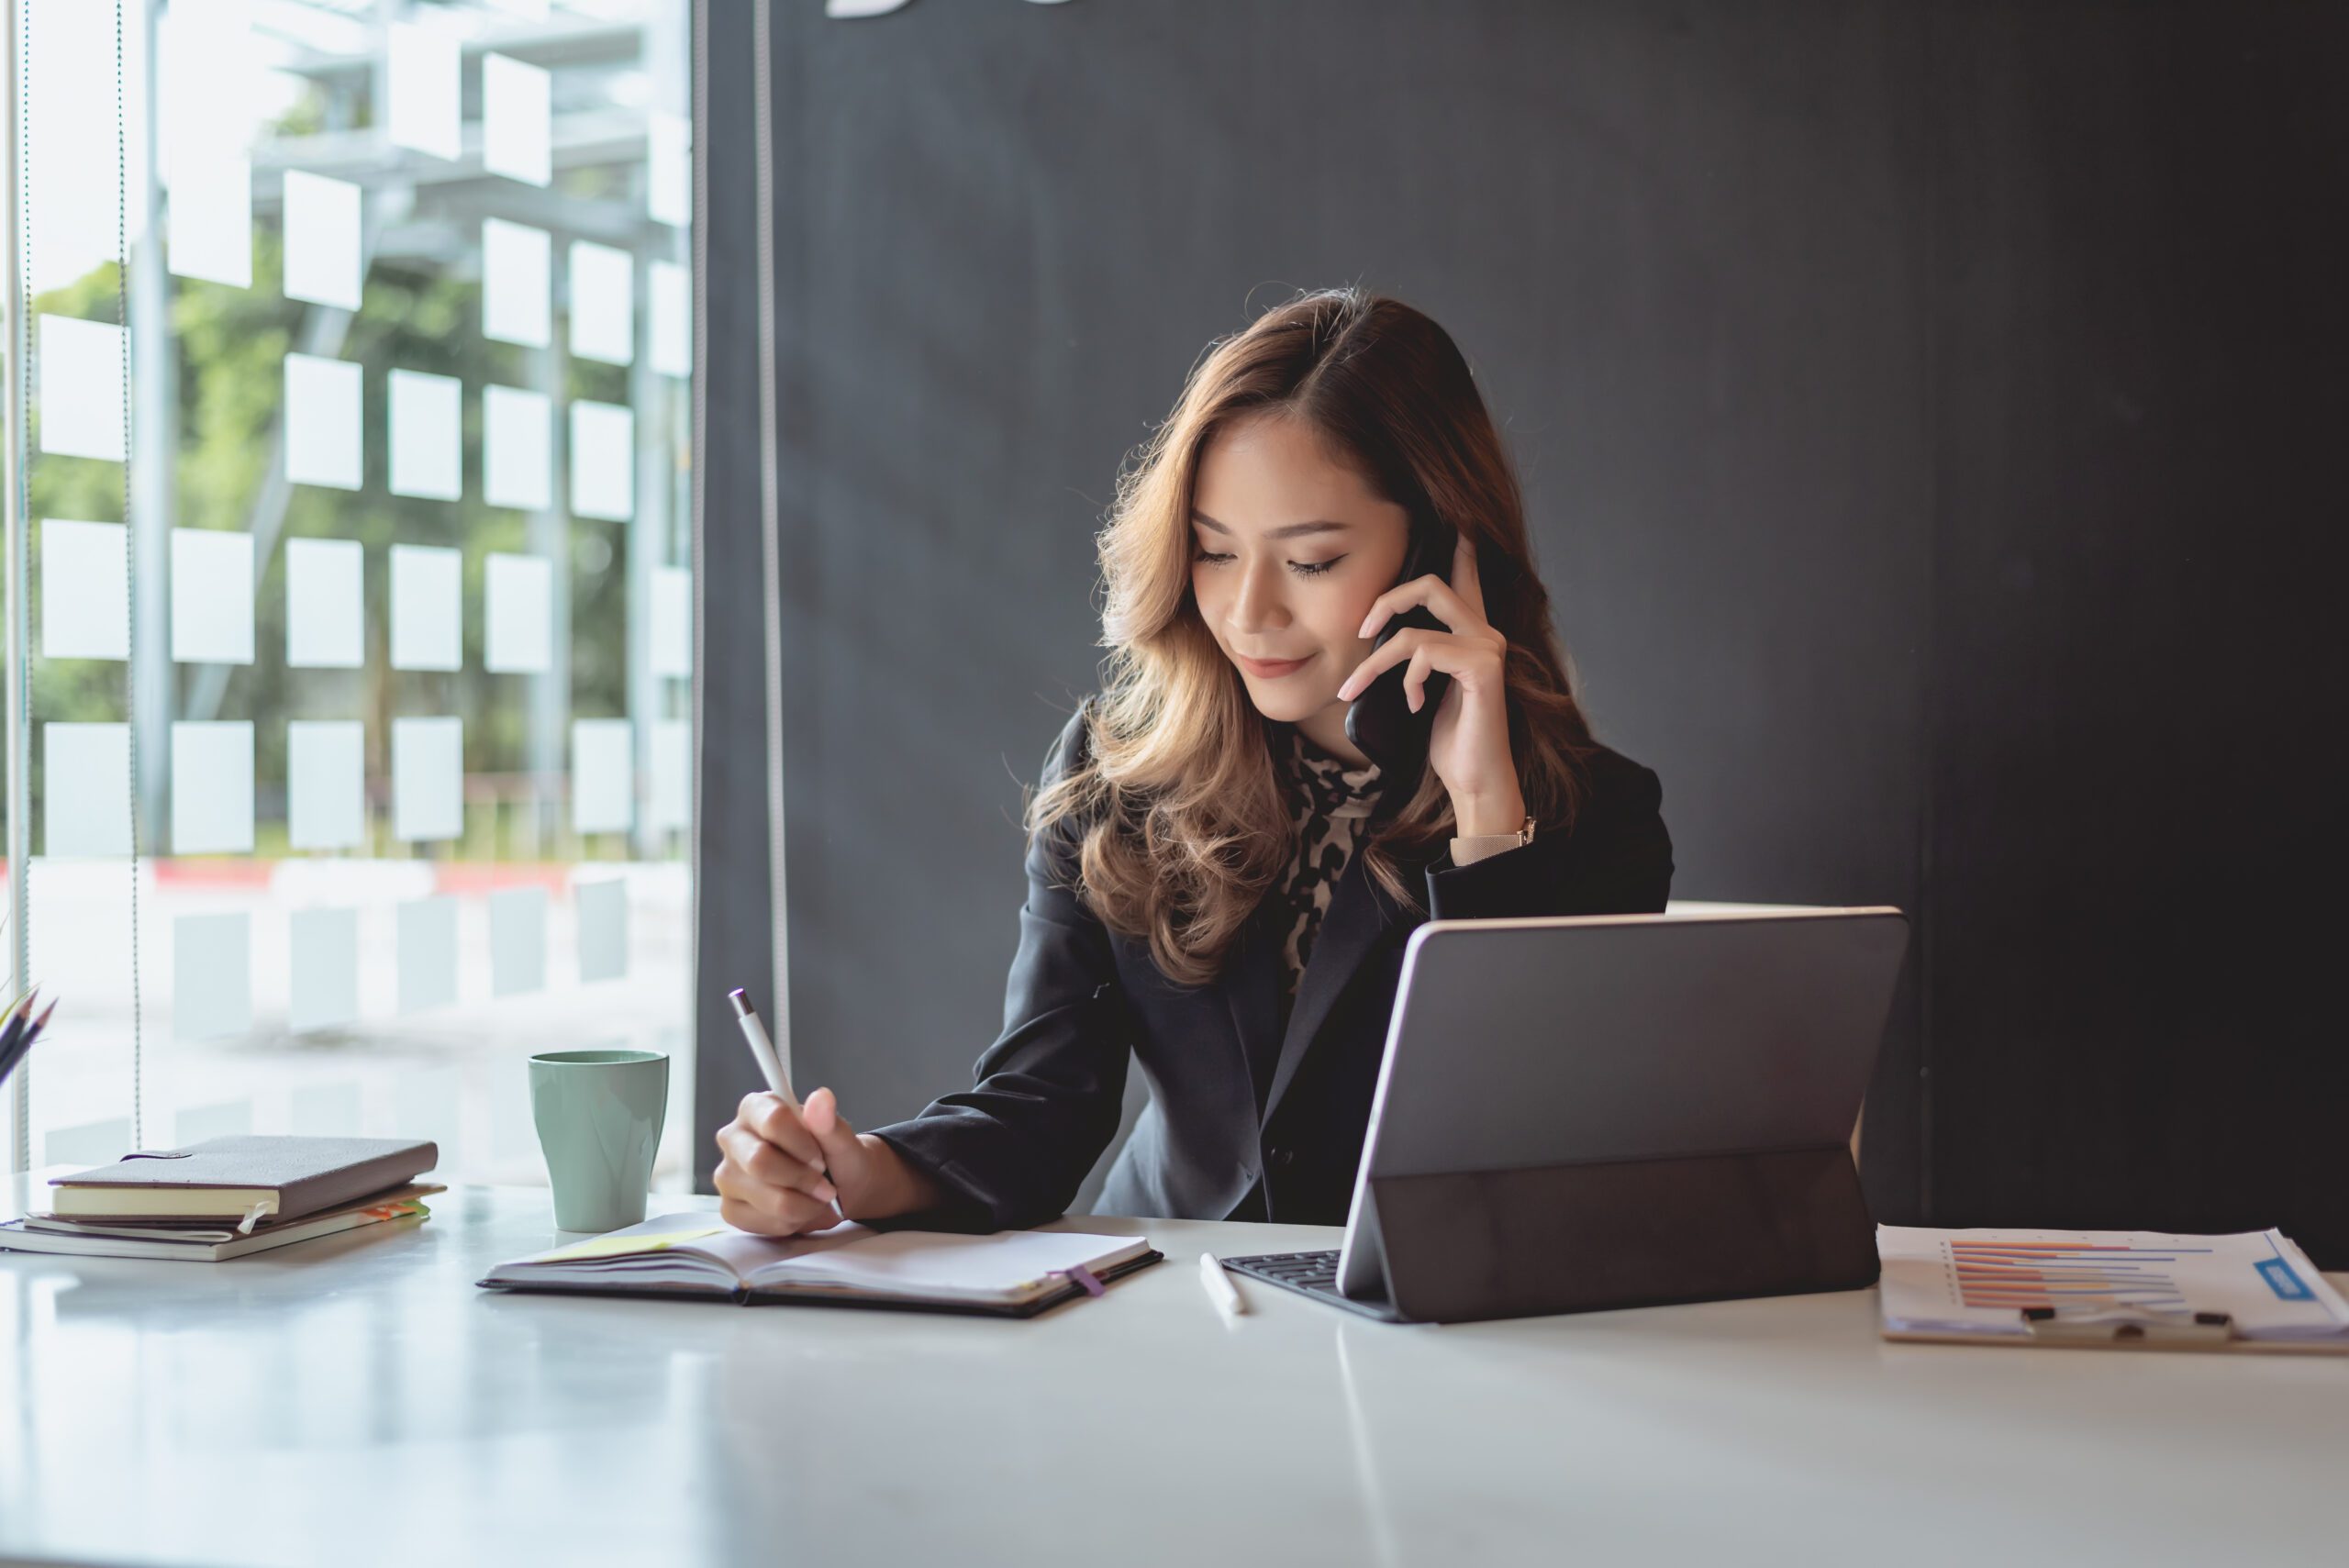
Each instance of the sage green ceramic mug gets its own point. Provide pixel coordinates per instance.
(599, 1115)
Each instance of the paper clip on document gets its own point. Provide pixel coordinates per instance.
(2141, 1330)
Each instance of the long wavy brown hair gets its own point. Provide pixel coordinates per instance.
(1176, 809)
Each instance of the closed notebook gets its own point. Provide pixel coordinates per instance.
(1012, 1273)
(229, 1178)
(402, 1209)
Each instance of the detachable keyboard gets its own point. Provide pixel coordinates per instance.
(1308, 1273)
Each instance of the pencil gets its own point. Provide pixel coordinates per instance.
(22, 1028)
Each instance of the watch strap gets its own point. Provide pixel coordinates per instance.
(1467, 849)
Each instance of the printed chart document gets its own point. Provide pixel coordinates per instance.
(1969, 1283)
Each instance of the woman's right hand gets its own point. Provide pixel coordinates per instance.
(782, 1169)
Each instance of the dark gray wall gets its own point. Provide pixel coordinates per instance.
(1007, 234)
(2142, 230)
(1806, 322)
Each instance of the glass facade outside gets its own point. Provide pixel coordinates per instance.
(361, 615)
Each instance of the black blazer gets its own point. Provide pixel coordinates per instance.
(1245, 1120)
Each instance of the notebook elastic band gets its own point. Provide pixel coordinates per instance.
(1084, 1278)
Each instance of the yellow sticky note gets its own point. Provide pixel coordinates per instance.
(618, 1246)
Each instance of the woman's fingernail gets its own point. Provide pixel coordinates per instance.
(825, 1191)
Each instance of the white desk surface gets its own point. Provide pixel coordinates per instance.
(356, 1400)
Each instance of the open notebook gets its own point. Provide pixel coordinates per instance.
(1012, 1273)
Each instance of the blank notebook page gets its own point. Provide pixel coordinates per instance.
(1006, 1265)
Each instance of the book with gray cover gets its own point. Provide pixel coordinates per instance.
(283, 1177)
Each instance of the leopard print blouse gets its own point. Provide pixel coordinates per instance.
(1331, 802)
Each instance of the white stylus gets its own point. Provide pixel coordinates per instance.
(754, 1035)
(1220, 1290)
(761, 1048)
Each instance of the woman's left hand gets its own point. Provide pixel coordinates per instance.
(1468, 748)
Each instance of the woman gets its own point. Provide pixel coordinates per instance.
(1205, 828)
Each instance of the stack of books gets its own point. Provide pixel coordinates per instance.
(227, 1196)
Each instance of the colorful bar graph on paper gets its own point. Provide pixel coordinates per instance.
(1991, 1283)
(2067, 1277)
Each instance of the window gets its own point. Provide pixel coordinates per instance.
(397, 642)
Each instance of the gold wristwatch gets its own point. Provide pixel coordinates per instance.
(1468, 848)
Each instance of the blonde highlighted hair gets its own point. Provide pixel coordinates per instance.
(1173, 803)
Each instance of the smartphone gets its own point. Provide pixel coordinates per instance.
(1380, 722)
